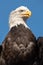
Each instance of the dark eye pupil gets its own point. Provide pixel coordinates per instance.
(21, 10)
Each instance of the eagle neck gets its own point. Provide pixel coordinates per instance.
(18, 21)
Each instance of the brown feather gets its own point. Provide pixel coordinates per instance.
(19, 46)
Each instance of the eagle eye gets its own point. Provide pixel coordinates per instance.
(21, 10)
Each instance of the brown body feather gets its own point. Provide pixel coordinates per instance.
(19, 46)
(39, 58)
(2, 61)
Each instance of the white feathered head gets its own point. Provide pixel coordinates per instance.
(21, 13)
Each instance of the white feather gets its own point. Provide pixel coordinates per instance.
(15, 20)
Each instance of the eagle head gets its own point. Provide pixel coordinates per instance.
(21, 14)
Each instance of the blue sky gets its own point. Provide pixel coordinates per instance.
(35, 22)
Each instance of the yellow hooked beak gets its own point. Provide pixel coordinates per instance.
(26, 14)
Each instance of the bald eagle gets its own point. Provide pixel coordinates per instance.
(39, 58)
(19, 46)
(2, 61)
(0, 48)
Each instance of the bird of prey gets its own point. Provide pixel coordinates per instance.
(2, 61)
(39, 58)
(19, 45)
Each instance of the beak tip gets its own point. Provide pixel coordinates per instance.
(30, 13)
